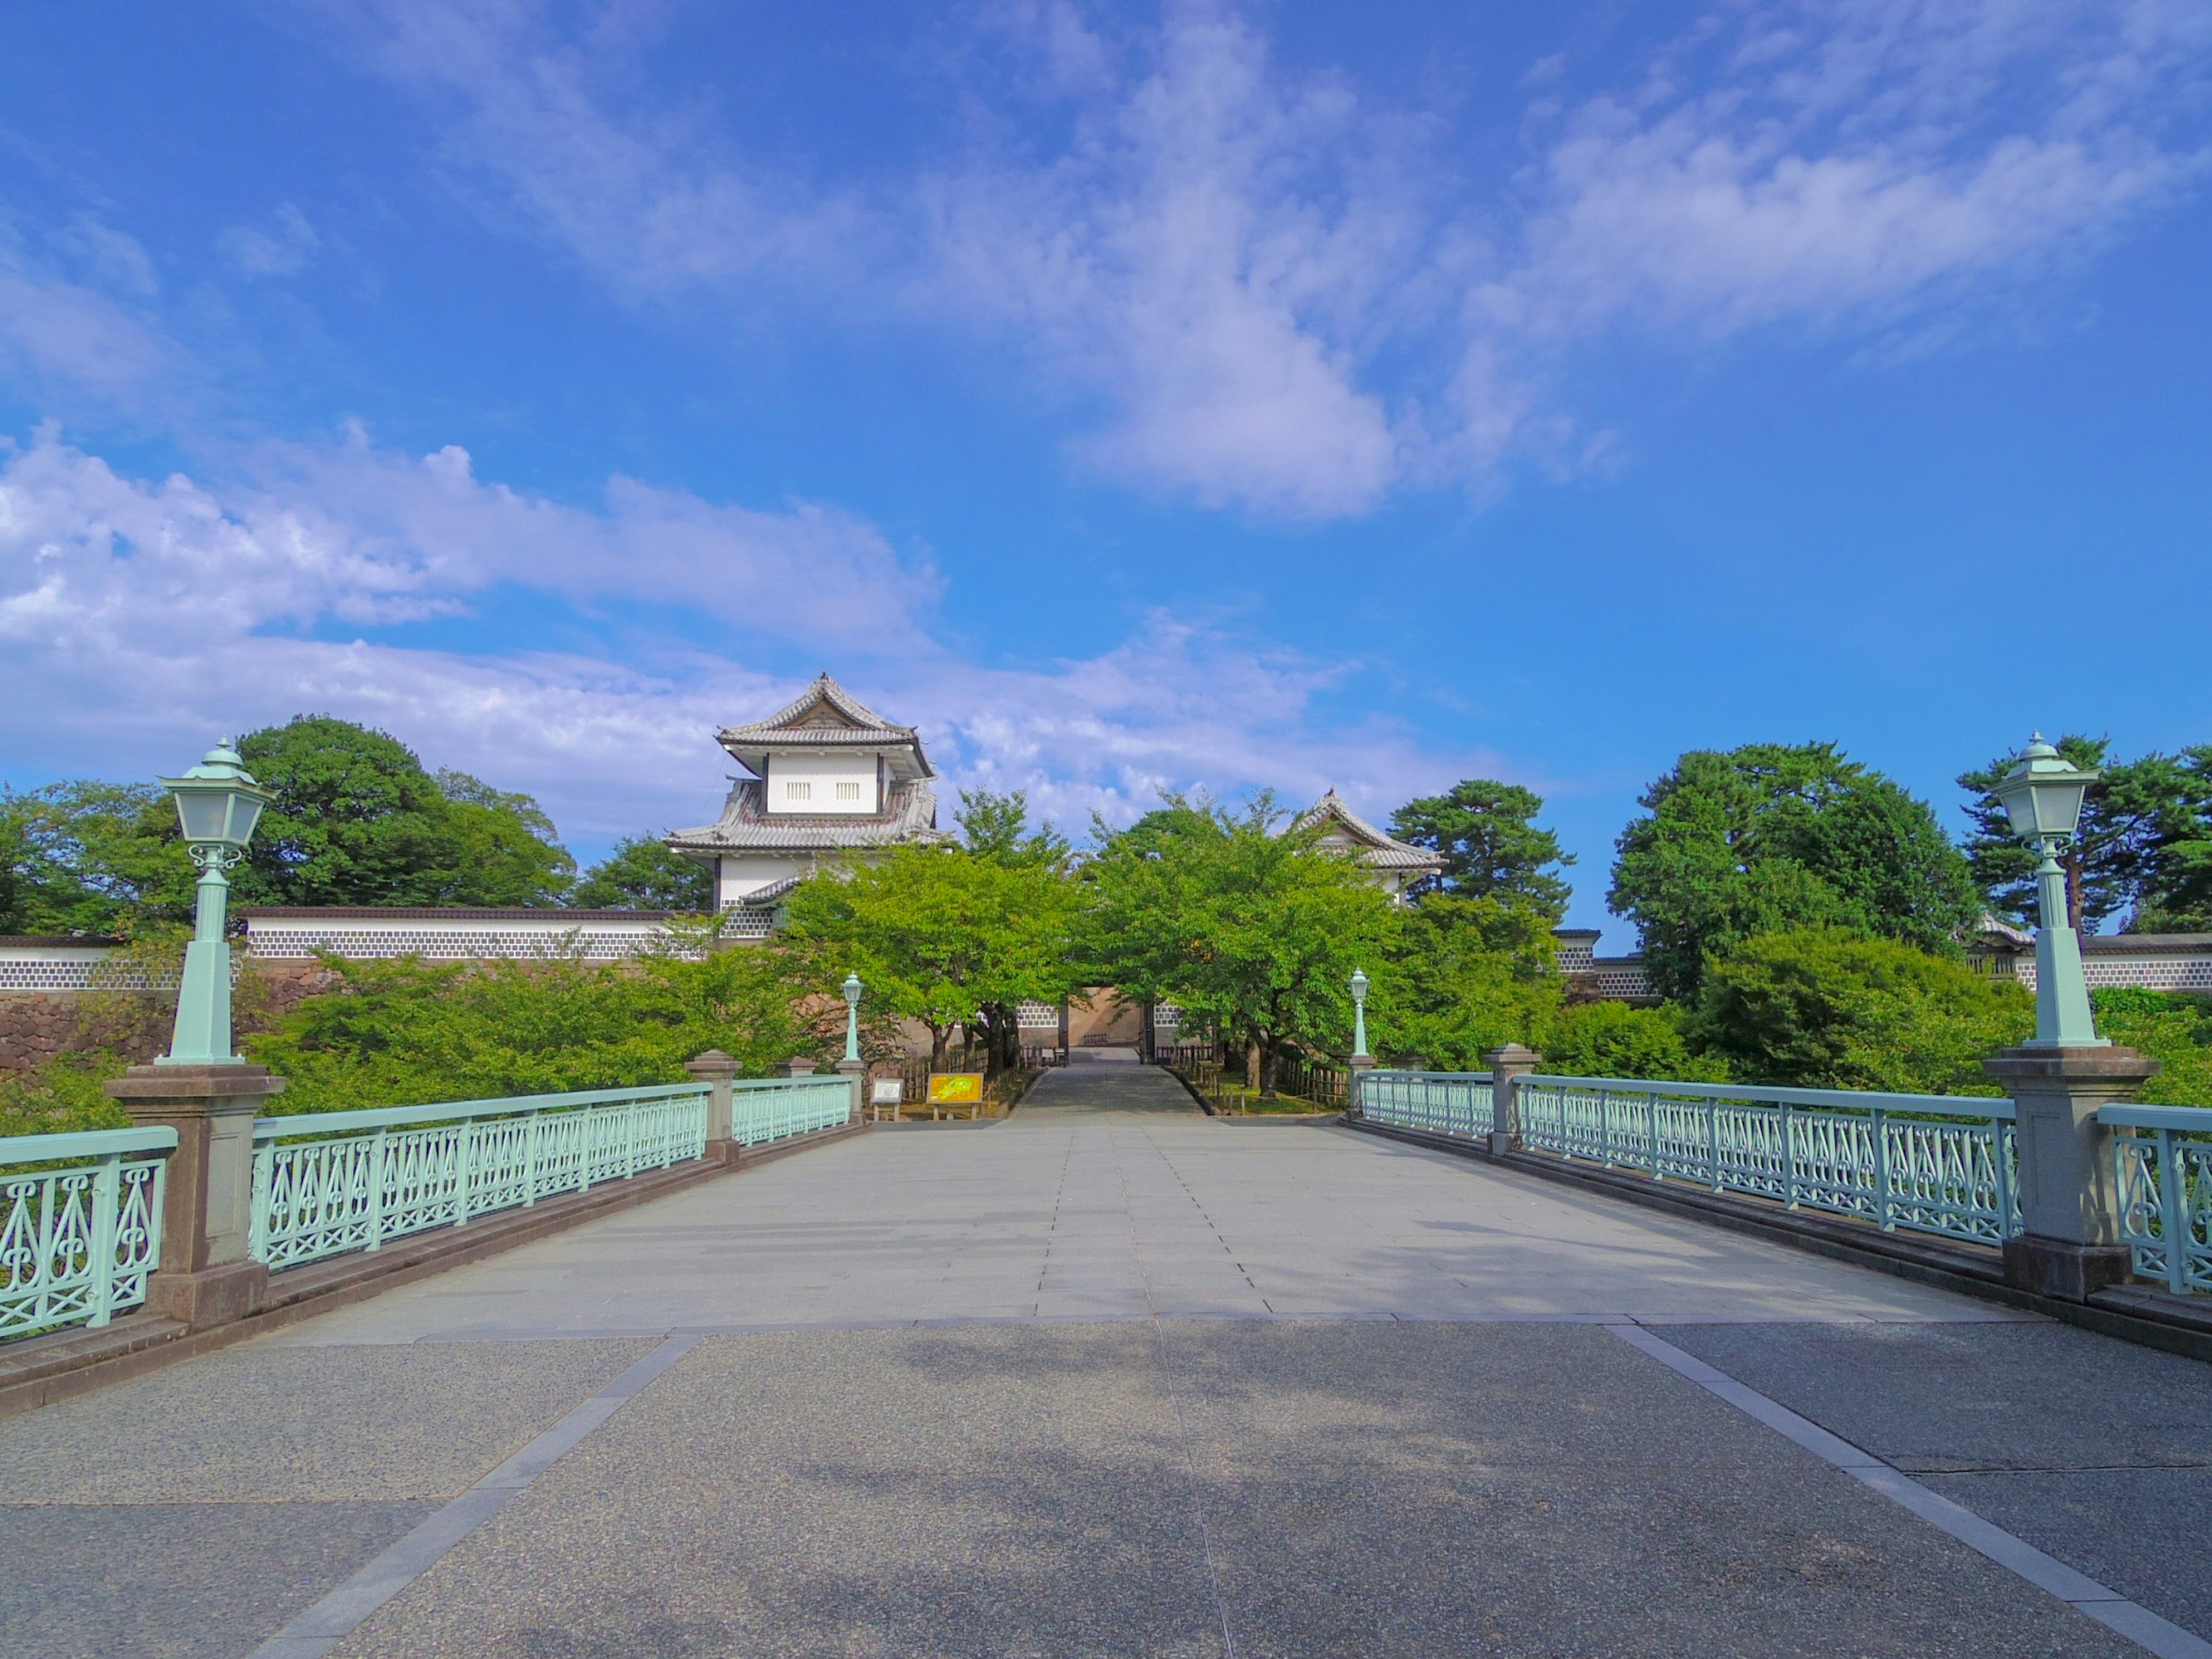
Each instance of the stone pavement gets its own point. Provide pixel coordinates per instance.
(1111, 1377)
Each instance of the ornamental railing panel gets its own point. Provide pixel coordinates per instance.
(80, 1225)
(764, 1109)
(2162, 1176)
(1933, 1164)
(326, 1184)
(1438, 1103)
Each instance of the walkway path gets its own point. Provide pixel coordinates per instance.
(1114, 1378)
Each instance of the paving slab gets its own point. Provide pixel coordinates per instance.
(1066, 1211)
(1307, 1489)
(2096, 1451)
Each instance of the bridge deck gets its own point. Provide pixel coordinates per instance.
(1114, 1378)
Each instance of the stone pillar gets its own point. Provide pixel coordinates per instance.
(1508, 1066)
(716, 1069)
(206, 1277)
(799, 1067)
(856, 1072)
(2068, 1202)
(1354, 1069)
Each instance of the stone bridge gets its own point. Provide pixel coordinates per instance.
(1111, 1377)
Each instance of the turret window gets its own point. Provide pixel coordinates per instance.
(799, 792)
(848, 791)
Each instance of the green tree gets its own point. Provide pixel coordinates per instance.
(1491, 843)
(1255, 934)
(1824, 1009)
(92, 859)
(644, 872)
(945, 938)
(355, 820)
(2176, 896)
(997, 827)
(1469, 975)
(2131, 815)
(1772, 837)
(2173, 1028)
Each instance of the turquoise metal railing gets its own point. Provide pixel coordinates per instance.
(2162, 1176)
(78, 1240)
(1933, 1164)
(368, 1176)
(1441, 1102)
(763, 1109)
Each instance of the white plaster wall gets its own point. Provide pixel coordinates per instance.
(821, 774)
(743, 873)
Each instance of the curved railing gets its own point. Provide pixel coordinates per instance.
(1436, 1103)
(329, 1182)
(1933, 1164)
(80, 1226)
(2162, 1175)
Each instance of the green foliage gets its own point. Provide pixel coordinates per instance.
(62, 1096)
(1611, 1039)
(402, 1033)
(1491, 844)
(356, 820)
(645, 873)
(2172, 1027)
(1772, 838)
(91, 859)
(1469, 975)
(1822, 1008)
(943, 936)
(997, 827)
(2146, 827)
(1255, 934)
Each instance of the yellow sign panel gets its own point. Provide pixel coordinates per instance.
(955, 1088)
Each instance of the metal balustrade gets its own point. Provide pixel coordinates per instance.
(1934, 1163)
(1440, 1103)
(330, 1182)
(2162, 1176)
(77, 1240)
(763, 1109)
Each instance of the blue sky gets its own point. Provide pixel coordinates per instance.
(1132, 396)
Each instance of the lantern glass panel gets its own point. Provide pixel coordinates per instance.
(203, 814)
(245, 814)
(2058, 807)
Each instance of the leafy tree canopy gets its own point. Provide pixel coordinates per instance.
(1468, 976)
(1825, 1009)
(356, 820)
(997, 827)
(1772, 837)
(1252, 933)
(91, 858)
(1492, 845)
(644, 872)
(2144, 842)
(1612, 1039)
(943, 936)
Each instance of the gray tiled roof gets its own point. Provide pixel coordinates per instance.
(746, 825)
(852, 722)
(1377, 849)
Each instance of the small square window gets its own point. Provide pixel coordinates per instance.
(848, 791)
(799, 792)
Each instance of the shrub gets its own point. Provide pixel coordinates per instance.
(1820, 1009)
(404, 1033)
(2170, 1027)
(1611, 1039)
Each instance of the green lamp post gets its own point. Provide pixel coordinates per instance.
(218, 803)
(2042, 796)
(1359, 1015)
(852, 989)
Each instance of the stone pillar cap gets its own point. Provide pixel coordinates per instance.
(713, 1062)
(192, 1083)
(1514, 1051)
(2028, 1063)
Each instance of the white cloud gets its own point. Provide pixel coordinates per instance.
(66, 337)
(280, 248)
(141, 618)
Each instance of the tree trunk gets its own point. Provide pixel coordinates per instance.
(1267, 1053)
(939, 1036)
